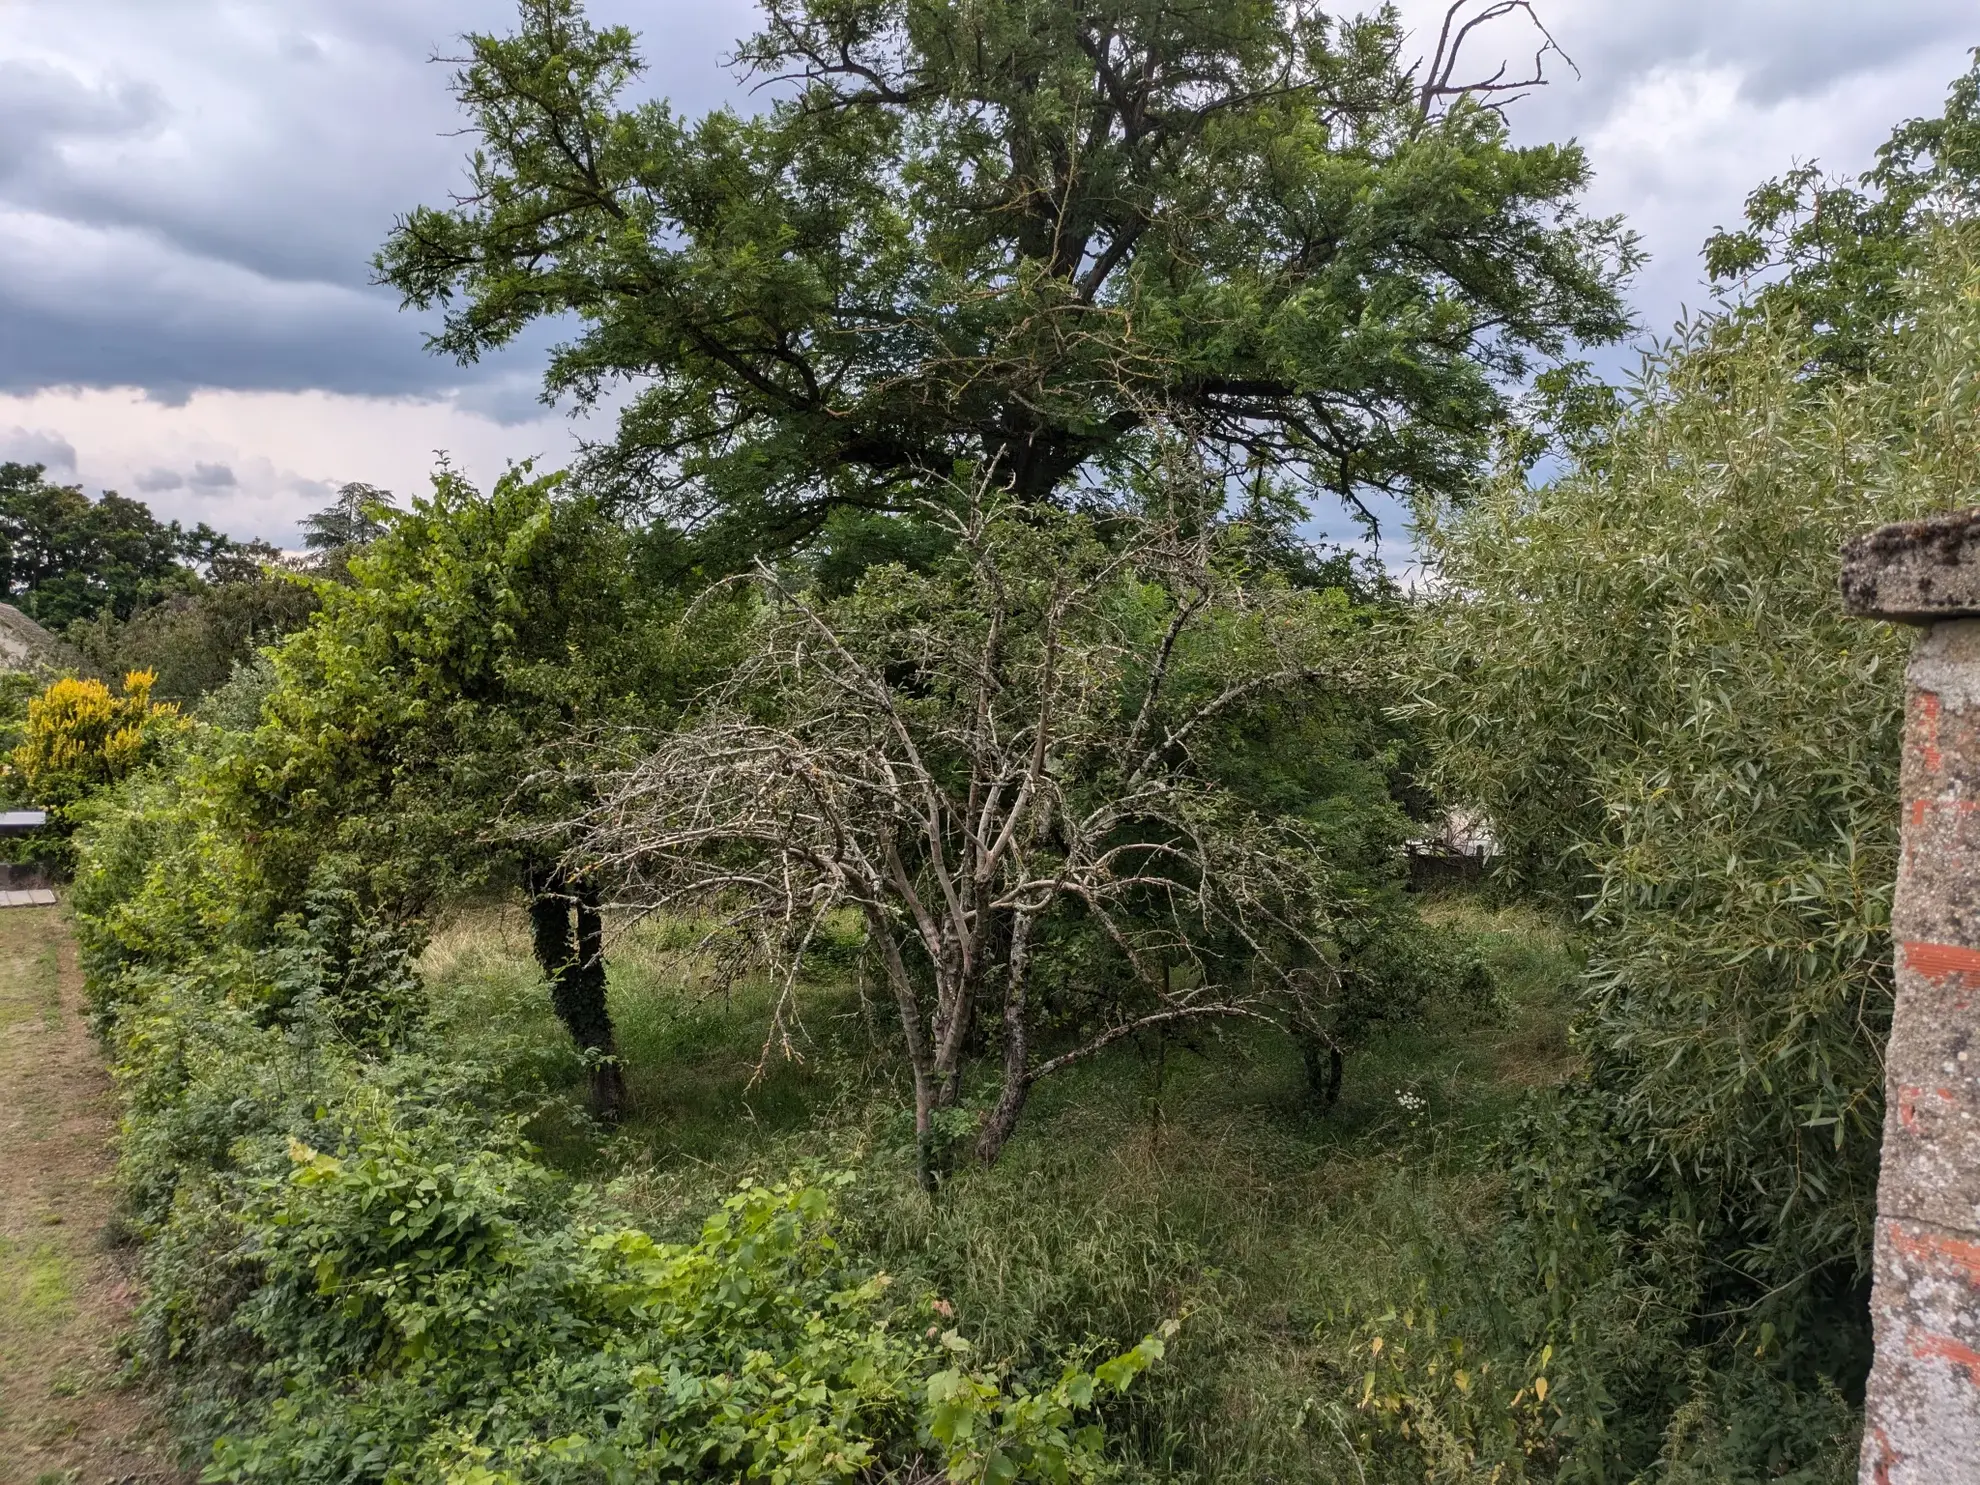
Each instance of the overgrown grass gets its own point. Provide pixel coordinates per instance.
(1190, 1176)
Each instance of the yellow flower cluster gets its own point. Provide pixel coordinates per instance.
(80, 736)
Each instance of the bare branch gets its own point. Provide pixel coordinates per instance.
(957, 756)
(1439, 76)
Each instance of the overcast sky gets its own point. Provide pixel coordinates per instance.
(190, 192)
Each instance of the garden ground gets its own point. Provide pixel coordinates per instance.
(67, 1416)
(1187, 1176)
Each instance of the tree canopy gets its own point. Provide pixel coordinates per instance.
(1834, 253)
(474, 629)
(1016, 235)
(65, 557)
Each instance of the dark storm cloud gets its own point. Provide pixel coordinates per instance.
(190, 193)
(42, 106)
(171, 345)
(85, 307)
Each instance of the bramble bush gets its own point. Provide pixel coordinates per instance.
(357, 1269)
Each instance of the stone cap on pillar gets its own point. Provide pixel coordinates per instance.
(1915, 572)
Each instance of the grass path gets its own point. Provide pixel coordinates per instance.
(65, 1291)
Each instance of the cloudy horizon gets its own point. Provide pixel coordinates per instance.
(190, 194)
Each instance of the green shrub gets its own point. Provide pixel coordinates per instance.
(80, 737)
(358, 1270)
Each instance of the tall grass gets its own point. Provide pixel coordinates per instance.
(1187, 1177)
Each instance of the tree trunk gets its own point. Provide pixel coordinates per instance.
(572, 955)
(1323, 1074)
(588, 1008)
(880, 933)
(924, 1134)
(1003, 1117)
(950, 1040)
(1002, 1121)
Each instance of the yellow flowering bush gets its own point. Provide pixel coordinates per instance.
(80, 736)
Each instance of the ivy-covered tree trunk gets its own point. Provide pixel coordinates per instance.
(1324, 1065)
(568, 935)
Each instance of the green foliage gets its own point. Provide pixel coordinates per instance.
(1834, 256)
(1187, 1175)
(1642, 675)
(409, 743)
(1018, 236)
(17, 690)
(358, 1270)
(754, 1352)
(1431, 1403)
(130, 593)
(193, 641)
(472, 633)
(65, 557)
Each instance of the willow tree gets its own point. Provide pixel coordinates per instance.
(1015, 234)
(1642, 673)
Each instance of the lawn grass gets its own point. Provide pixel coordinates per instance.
(1189, 1178)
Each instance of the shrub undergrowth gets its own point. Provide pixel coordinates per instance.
(359, 1269)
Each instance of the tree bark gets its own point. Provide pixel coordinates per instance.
(1003, 1117)
(572, 955)
(950, 1042)
(879, 932)
(1323, 1075)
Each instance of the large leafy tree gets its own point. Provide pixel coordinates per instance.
(471, 636)
(354, 519)
(65, 557)
(1017, 234)
(345, 527)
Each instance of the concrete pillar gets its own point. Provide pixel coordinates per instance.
(1922, 1415)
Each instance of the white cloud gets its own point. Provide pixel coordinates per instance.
(41, 446)
(254, 463)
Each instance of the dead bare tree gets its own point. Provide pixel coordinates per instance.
(961, 756)
(1463, 20)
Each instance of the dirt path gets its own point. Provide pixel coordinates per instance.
(65, 1292)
